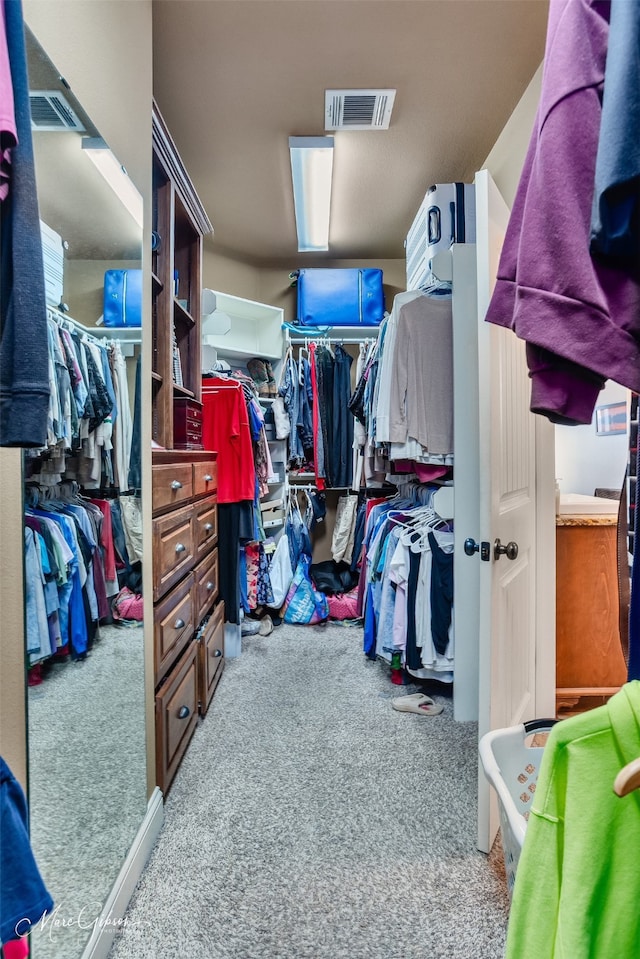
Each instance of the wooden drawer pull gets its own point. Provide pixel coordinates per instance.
(179, 624)
(184, 712)
(208, 527)
(180, 548)
(210, 586)
(208, 478)
(176, 484)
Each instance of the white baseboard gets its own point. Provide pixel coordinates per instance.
(101, 940)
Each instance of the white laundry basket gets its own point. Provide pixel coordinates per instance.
(512, 766)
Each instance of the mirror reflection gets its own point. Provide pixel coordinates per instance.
(83, 529)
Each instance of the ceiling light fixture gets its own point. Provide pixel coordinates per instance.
(311, 172)
(115, 175)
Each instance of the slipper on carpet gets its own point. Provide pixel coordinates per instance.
(417, 703)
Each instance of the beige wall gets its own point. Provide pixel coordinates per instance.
(103, 49)
(507, 156)
(229, 275)
(272, 284)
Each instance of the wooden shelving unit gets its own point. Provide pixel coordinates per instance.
(188, 618)
(180, 221)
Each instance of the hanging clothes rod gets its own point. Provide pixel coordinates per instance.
(97, 334)
(347, 335)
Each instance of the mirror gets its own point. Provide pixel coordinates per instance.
(86, 699)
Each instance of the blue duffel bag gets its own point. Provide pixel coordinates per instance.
(122, 298)
(341, 297)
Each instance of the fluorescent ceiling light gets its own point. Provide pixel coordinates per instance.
(115, 175)
(311, 171)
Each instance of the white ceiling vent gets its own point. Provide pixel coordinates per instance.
(358, 109)
(50, 111)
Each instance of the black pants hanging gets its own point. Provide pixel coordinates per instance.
(342, 420)
(235, 525)
(324, 370)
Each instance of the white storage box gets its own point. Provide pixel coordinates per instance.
(511, 765)
(53, 260)
(447, 215)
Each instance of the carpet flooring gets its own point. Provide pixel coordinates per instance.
(87, 782)
(309, 820)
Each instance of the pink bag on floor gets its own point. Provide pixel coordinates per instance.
(128, 605)
(344, 605)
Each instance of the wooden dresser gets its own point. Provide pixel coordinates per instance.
(188, 621)
(590, 666)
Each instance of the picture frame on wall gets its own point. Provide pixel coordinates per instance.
(611, 419)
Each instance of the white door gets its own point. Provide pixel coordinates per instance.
(504, 490)
(508, 455)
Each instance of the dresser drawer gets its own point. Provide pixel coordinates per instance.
(205, 478)
(211, 656)
(205, 525)
(176, 715)
(173, 549)
(172, 485)
(173, 625)
(206, 586)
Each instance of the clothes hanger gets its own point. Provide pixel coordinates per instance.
(434, 286)
(628, 778)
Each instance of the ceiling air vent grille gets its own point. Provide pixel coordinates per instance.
(358, 109)
(50, 111)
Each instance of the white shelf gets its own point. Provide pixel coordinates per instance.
(272, 523)
(255, 329)
(232, 353)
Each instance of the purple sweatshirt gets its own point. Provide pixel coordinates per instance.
(580, 318)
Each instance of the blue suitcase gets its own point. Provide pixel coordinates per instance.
(122, 298)
(353, 297)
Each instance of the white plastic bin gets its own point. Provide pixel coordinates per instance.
(511, 765)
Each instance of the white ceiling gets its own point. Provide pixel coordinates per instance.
(74, 199)
(235, 78)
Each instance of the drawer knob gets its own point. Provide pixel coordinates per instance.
(176, 484)
(210, 586)
(180, 548)
(218, 653)
(184, 712)
(179, 623)
(208, 527)
(208, 478)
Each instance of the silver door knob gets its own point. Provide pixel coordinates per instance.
(208, 527)
(176, 484)
(179, 623)
(510, 550)
(208, 478)
(210, 586)
(180, 548)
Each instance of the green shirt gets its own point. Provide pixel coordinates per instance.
(577, 889)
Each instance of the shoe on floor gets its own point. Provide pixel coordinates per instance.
(250, 627)
(266, 626)
(416, 703)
